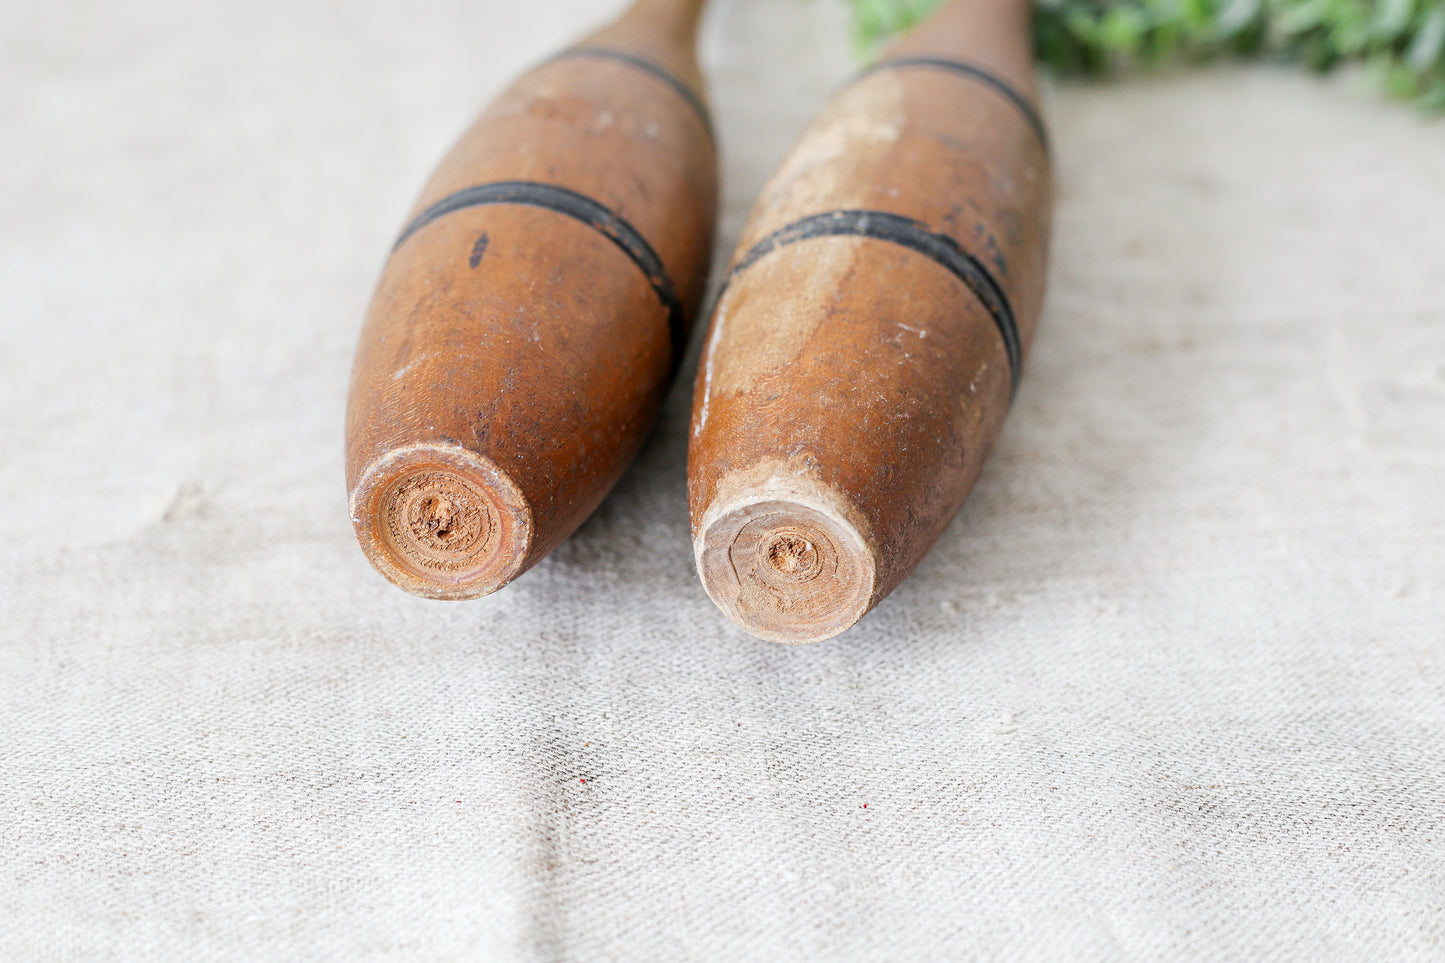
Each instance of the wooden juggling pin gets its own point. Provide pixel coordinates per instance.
(870, 334)
(533, 310)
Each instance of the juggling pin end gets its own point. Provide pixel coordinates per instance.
(786, 567)
(442, 522)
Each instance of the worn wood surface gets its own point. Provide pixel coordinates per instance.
(525, 327)
(863, 353)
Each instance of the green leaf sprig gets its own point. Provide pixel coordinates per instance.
(1401, 41)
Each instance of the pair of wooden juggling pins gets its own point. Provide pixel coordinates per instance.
(863, 349)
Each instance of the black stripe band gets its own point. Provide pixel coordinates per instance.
(977, 73)
(579, 207)
(683, 90)
(914, 235)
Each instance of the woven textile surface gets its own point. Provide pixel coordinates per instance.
(1172, 686)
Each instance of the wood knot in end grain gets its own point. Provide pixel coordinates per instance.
(792, 556)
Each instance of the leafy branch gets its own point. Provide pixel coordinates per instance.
(1401, 41)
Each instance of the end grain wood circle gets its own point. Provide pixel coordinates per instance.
(786, 570)
(443, 522)
(439, 521)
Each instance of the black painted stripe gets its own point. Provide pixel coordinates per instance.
(977, 73)
(579, 207)
(642, 63)
(914, 235)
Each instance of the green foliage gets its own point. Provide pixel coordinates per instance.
(1402, 41)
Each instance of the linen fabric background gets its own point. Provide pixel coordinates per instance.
(1172, 686)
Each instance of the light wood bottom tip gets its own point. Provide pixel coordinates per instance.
(441, 522)
(786, 568)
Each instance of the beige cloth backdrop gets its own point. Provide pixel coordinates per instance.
(1171, 687)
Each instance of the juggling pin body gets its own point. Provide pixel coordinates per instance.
(525, 327)
(870, 334)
